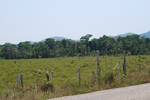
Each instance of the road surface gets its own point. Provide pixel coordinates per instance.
(138, 92)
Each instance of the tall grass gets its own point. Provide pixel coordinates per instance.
(61, 74)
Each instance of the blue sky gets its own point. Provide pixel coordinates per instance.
(35, 20)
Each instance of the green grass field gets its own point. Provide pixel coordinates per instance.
(65, 79)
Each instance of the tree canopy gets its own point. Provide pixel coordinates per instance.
(132, 44)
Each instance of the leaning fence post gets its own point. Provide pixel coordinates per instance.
(47, 76)
(98, 70)
(79, 76)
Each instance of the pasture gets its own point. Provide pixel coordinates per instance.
(69, 75)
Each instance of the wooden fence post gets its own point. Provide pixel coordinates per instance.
(98, 70)
(125, 66)
(52, 75)
(118, 71)
(20, 82)
(140, 63)
(93, 78)
(47, 76)
(79, 76)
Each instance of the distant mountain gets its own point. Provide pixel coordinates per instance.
(146, 35)
(58, 38)
(125, 34)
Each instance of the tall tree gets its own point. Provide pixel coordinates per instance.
(25, 49)
(51, 46)
(85, 41)
(9, 51)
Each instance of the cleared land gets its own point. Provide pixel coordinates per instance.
(65, 77)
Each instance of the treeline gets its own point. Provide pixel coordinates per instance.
(133, 45)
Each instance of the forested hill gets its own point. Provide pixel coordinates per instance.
(132, 44)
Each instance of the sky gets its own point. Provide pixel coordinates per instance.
(35, 20)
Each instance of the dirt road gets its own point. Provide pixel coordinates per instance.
(138, 92)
